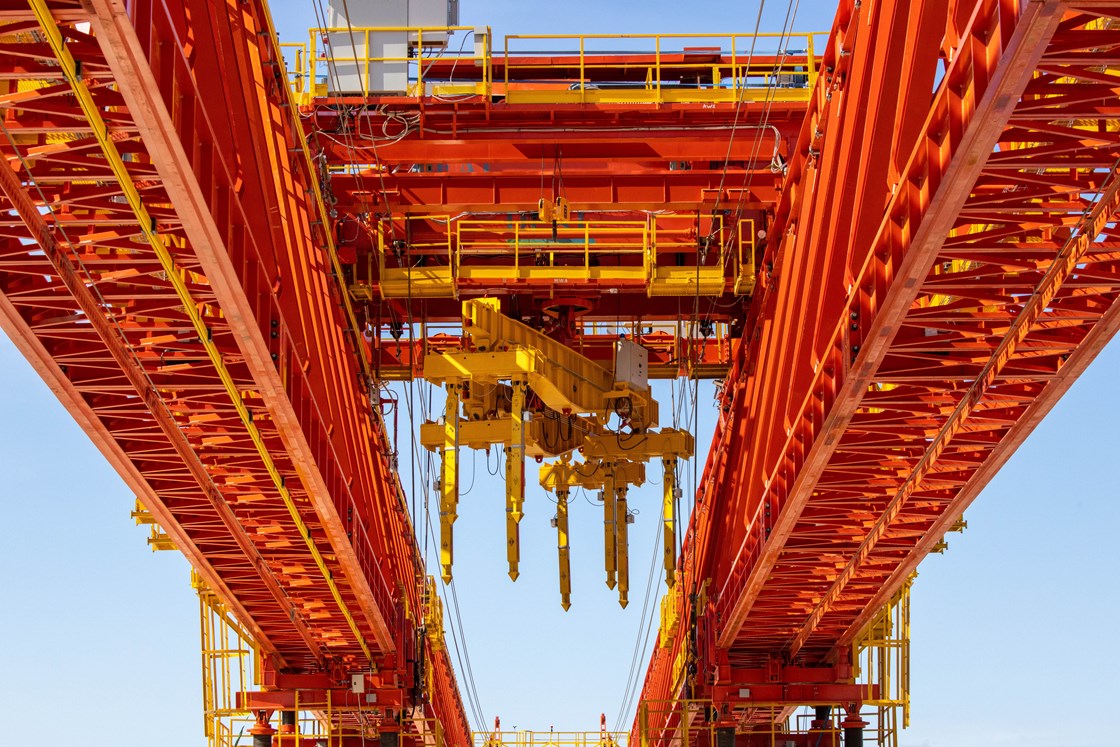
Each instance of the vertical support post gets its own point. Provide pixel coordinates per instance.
(668, 520)
(449, 482)
(419, 63)
(515, 478)
(609, 518)
(562, 547)
(622, 544)
(853, 726)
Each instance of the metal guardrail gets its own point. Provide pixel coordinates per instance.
(664, 68)
(585, 68)
(658, 253)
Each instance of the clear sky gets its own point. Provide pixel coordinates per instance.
(1013, 628)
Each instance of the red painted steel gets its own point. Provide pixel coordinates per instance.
(90, 306)
(964, 296)
(939, 260)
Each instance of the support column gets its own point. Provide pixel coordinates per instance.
(262, 730)
(853, 726)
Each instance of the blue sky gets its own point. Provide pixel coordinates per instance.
(1013, 627)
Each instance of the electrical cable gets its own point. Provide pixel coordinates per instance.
(645, 625)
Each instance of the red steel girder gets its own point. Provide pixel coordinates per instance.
(879, 547)
(977, 279)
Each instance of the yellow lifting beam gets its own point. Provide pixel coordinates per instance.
(489, 382)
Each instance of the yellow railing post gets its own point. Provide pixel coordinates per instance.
(587, 249)
(657, 64)
(582, 76)
(734, 66)
(419, 62)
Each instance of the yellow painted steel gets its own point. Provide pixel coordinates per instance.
(676, 722)
(670, 617)
(449, 483)
(515, 479)
(610, 534)
(747, 274)
(563, 378)
(668, 518)
(625, 253)
(881, 655)
(157, 538)
(622, 543)
(575, 391)
(528, 738)
(176, 276)
(557, 476)
(669, 444)
(563, 549)
(230, 664)
(365, 39)
(748, 82)
(743, 77)
(433, 616)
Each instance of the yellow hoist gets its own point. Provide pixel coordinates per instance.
(513, 386)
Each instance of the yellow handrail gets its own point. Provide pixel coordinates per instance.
(747, 66)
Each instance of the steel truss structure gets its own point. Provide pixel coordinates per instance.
(897, 248)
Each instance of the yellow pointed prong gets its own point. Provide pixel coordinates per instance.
(563, 549)
(513, 546)
(609, 531)
(668, 519)
(449, 482)
(622, 544)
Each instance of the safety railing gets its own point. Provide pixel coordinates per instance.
(396, 60)
(230, 664)
(675, 722)
(658, 68)
(577, 247)
(550, 739)
(881, 655)
(295, 64)
(670, 254)
(458, 61)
